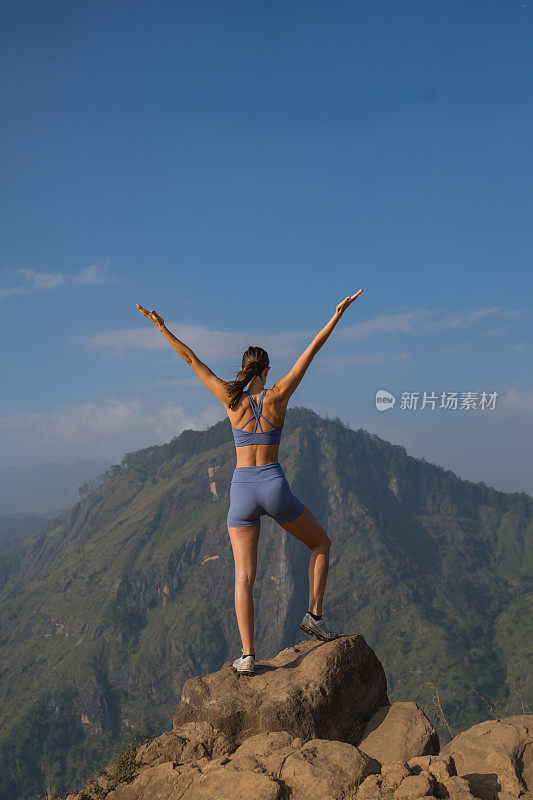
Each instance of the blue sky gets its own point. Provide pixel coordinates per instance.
(241, 168)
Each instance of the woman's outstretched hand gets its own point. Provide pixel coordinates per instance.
(152, 315)
(341, 308)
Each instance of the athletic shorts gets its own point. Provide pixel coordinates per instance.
(259, 490)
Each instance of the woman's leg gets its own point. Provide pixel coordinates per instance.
(244, 541)
(308, 529)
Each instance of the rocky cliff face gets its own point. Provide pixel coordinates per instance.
(315, 722)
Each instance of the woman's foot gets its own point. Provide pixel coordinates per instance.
(245, 664)
(318, 628)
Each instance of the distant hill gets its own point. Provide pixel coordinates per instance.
(104, 616)
(18, 526)
(45, 487)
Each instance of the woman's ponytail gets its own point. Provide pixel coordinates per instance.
(254, 361)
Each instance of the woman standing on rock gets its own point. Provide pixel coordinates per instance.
(259, 485)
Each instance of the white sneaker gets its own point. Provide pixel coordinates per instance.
(244, 666)
(318, 628)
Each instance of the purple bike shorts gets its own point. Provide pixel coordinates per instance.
(261, 489)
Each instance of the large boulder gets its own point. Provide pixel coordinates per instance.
(399, 731)
(495, 756)
(314, 690)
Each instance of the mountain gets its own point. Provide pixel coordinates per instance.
(104, 616)
(44, 488)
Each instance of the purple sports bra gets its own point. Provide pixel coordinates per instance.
(270, 436)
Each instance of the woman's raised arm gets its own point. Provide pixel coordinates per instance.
(289, 383)
(215, 384)
(181, 349)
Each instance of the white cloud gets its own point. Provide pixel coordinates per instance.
(418, 320)
(330, 363)
(454, 348)
(91, 430)
(517, 401)
(206, 343)
(172, 382)
(13, 290)
(225, 345)
(495, 331)
(43, 280)
(92, 275)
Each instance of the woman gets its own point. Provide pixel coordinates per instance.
(259, 485)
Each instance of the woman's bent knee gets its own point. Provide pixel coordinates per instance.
(324, 546)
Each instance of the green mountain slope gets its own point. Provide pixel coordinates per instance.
(105, 616)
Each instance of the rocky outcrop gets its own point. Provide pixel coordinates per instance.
(316, 690)
(266, 766)
(315, 722)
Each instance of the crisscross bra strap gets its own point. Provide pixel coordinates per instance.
(256, 408)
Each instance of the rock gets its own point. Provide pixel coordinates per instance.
(396, 780)
(322, 769)
(333, 767)
(369, 788)
(215, 763)
(269, 749)
(266, 743)
(169, 747)
(442, 768)
(495, 756)
(326, 770)
(320, 690)
(439, 766)
(190, 743)
(399, 731)
(422, 762)
(414, 786)
(458, 788)
(160, 781)
(297, 742)
(234, 785)
(394, 776)
(394, 766)
(216, 742)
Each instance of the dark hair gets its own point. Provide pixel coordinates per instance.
(254, 361)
